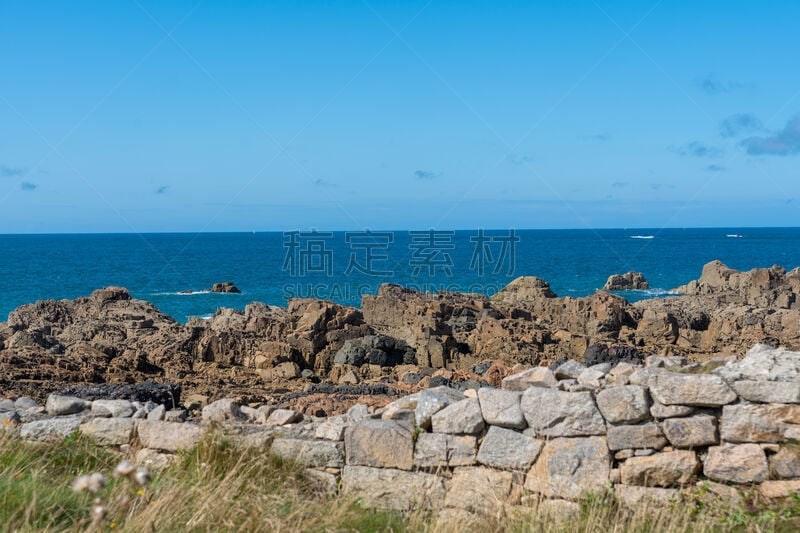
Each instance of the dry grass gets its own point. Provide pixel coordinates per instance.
(217, 487)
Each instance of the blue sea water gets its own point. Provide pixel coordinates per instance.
(273, 267)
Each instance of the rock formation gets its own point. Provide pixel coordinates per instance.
(626, 282)
(225, 286)
(404, 337)
(725, 310)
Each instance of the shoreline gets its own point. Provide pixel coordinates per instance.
(574, 263)
(398, 336)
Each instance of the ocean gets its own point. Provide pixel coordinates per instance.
(272, 267)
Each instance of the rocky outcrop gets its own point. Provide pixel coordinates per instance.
(225, 287)
(106, 337)
(409, 338)
(599, 315)
(431, 324)
(110, 337)
(626, 282)
(724, 311)
(308, 333)
(760, 287)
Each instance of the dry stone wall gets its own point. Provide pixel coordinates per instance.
(652, 432)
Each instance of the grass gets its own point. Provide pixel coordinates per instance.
(217, 487)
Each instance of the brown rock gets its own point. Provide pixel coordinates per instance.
(110, 337)
(774, 490)
(626, 282)
(424, 321)
(225, 287)
(287, 370)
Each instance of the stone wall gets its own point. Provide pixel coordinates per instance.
(652, 432)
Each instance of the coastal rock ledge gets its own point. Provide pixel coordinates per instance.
(399, 341)
(652, 433)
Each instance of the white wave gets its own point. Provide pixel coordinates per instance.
(643, 236)
(179, 293)
(650, 293)
(734, 235)
(659, 292)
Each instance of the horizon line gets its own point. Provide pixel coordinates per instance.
(251, 232)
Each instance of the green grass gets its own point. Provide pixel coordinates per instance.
(214, 487)
(219, 487)
(35, 491)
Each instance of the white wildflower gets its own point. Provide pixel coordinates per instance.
(124, 469)
(96, 482)
(142, 476)
(92, 483)
(80, 484)
(99, 510)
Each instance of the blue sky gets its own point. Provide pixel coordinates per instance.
(209, 116)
